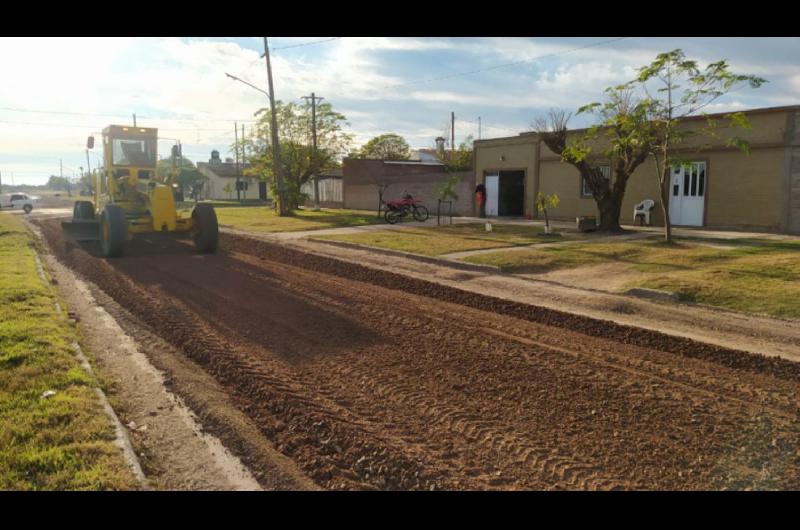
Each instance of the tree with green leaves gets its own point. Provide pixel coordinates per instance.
(182, 172)
(546, 202)
(621, 140)
(386, 147)
(675, 88)
(58, 183)
(634, 125)
(295, 145)
(458, 159)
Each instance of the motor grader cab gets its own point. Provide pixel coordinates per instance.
(130, 198)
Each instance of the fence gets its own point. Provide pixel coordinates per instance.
(330, 190)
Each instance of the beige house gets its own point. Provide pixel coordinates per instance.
(722, 187)
(221, 179)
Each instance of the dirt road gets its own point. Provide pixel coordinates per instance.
(374, 380)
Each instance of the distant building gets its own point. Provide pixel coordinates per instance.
(424, 155)
(220, 174)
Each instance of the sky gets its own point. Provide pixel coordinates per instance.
(65, 89)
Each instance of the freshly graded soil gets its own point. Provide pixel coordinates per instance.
(368, 379)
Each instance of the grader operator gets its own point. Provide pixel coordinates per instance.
(130, 198)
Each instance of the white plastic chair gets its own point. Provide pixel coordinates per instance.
(643, 208)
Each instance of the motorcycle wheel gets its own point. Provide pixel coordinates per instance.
(392, 216)
(421, 213)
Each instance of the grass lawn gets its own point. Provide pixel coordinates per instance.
(761, 276)
(437, 240)
(64, 442)
(264, 219)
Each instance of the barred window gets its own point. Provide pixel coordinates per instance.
(585, 191)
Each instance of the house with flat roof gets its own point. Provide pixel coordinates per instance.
(221, 183)
(722, 187)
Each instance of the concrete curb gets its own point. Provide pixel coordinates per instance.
(399, 253)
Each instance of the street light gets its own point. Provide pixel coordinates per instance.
(274, 130)
(247, 83)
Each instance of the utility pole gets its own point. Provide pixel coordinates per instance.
(479, 127)
(276, 148)
(315, 159)
(243, 162)
(1, 182)
(236, 150)
(452, 132)
(88, 166)
(134, 120)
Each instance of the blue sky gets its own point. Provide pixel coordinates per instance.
(79, 85)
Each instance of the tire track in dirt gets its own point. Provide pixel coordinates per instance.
(372, 380)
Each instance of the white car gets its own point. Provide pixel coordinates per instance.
(18, 201)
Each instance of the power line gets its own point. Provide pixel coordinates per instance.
(51, 124)
(483, 125)
(505, 65)
(11, 109)
(306, 44)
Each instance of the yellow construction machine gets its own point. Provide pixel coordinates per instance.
(130, 198)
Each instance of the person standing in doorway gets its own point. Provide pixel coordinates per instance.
(480, 199)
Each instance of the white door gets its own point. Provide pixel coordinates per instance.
(687, 197)
(492, 183)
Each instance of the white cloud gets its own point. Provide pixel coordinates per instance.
(172, 77)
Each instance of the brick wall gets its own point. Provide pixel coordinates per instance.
(422, 181)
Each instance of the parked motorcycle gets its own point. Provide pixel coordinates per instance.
(408, 205)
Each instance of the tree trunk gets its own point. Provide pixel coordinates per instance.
(665, 209)
(610, 208)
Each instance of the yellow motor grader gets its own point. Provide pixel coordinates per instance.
(130, 198)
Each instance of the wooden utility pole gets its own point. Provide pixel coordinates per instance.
(236, 151)
(315, 158)
(276, 148)
(452, 132)
(479, 127)
(244, 187)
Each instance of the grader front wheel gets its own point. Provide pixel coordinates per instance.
(205, 230)
(113, 231)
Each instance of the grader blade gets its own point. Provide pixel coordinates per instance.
(88, 230)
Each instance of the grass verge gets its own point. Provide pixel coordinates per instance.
(438, 240)
(750, 275)
(64, 442)
(264, 219)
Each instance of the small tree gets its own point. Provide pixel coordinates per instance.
(546, 202)
(381, 184)
(448, 191)
(228, 189)
(684, 90)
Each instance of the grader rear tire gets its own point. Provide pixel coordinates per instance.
(205, 229)
(113, 231)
